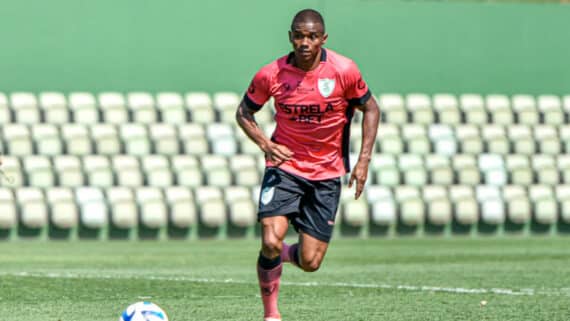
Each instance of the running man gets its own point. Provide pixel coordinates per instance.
(316, 91)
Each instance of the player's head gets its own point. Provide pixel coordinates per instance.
(307, 34)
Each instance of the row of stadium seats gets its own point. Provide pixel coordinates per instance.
(247, 170)
(227, 139)
(200, 107)
(212, 207)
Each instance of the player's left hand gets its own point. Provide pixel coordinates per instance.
(360, 174)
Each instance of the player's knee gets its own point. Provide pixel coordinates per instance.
(311, 265)
(272, 245)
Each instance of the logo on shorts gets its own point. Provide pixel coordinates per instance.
(326, 86)
(267, 194)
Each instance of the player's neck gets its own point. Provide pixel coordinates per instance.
(308, 65)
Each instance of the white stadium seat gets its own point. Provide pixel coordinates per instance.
(473, 108)
(135, 138)
(39, 171)
(242, 210)
(84, 108)
(124, 211)
(392, 106)
(77, 141)
(128, 171)
(106, 140)
(499, 107)
(544, 204)
(154, 213)
(411, 205)
(33, 209)
(5, 114)
(226, 104)
(93, 208)
(447, 109)
(68, 171)
(171, 107)
(113, 107)
(54, 107)
(64, 213)
(157, 171)
(550, 108)
(164, 139)
(142, 107)
(182, 206)
(524, 107)
(211, 205)
(201, 107)
(466, 208)
(419, 107)
(47, 139)
(18, 139)
(25, 108)
(13, 173)
(98, 171)
(8, 212)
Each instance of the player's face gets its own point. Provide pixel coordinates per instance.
(307, 39)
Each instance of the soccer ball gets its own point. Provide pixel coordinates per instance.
(143, 311)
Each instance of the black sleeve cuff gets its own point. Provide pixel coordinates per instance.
(360, 101)
(250, 103)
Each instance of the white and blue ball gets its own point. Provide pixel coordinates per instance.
(143, 311)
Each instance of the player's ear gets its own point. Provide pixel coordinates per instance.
(290, 36)
(325, 37)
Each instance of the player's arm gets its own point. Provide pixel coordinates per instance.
(370, 120)
(246, 120)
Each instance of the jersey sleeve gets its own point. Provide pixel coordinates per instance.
(356, 90)
(259, 90)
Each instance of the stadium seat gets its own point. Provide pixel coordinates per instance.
(201, 107)
(84, 108)
(127, 170)
(493, 168)
(157, 171)
(54, 107)
(33, 209)
(18, 140)
(47, 140)
(153, 210)
(447, 109)
(187, 171)
(518, 206)
(524, 107)
(546, 138)
(64, 214)
(164, 139)
(438, 205)
(265, 114)
(5, 114)
(106, 139)
(563, 197)
(386, 170)
(244, 169)
(392, 106)
(39, 171)
(222, 139)
(353, 212)
(419, 107)
(98, 171)
(242, 211)
(496, 139)
(412, 211)
(8, 212)
(545, 169)
(92, 206)
(466, 208)
(68, 171)
(193, 138)
(114, 108)
(521, 138)
(563, 164)
(13, 173)
(473, 109)
(135, 138)
(211, 205)
(466, 170)
(564, 134)
(416, 139)
(182, 206)
(142, 107)
(544, 204)
(216, 170)
(499, 107)
(492, 206)
(25, 108)
(171, 108)
(413, 169)
(76, 139)
(550, 108)
(389, 140)
(124, 212)
(469, 139)
(440, 170)
(226, 104)
(443, 139)
(518, 167)
(384, 208)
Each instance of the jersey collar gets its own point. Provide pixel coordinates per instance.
(292, 54)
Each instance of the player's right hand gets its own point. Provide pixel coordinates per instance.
(277, 153)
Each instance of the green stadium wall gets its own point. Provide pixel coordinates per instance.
(181, 45)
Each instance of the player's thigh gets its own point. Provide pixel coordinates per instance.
(313, 250)
(274, 229)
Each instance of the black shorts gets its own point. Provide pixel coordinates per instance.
(311, 206)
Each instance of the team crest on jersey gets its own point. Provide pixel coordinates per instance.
(326, 86)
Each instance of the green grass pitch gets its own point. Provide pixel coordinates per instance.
(378, 279)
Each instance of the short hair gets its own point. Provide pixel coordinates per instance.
(308, 15)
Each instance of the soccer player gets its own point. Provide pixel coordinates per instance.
(316, 91)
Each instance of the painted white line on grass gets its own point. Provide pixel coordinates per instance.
(415, 288)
